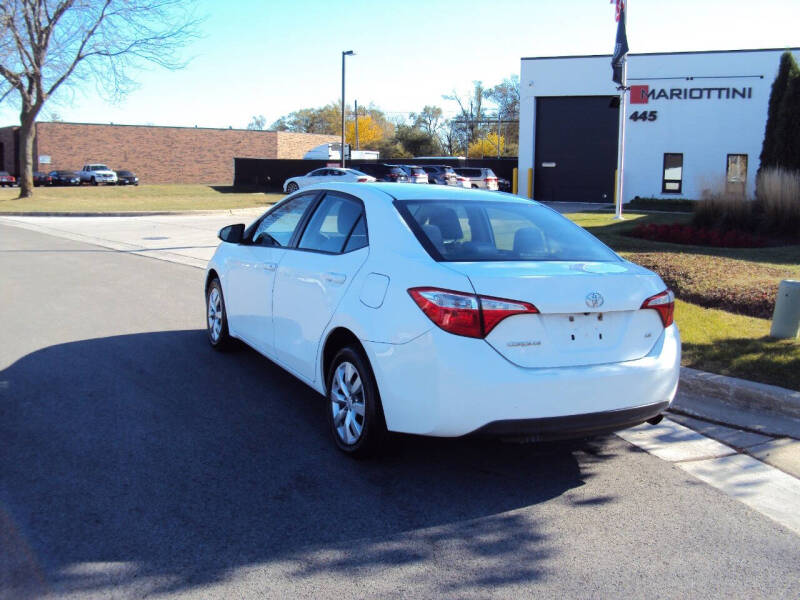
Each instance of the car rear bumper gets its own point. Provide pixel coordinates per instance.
(444, 385)
(574, 426)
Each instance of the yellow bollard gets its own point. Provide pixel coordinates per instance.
(514, 177)
(530, 183)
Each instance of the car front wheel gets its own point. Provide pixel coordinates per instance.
(354, 408)
(216, 317)
(292, 187)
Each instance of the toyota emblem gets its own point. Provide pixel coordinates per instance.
(594, 300)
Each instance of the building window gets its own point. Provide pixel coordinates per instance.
(736, 174)
(673, 174)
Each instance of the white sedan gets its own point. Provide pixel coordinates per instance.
(325, 175)
(439, 311)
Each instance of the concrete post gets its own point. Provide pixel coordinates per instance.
(786, 318)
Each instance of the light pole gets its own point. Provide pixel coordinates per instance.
(345, 54)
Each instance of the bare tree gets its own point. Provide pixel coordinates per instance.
(45, 44)
(257, 123)
(468, 122)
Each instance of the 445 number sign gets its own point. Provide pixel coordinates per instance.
(644, 115)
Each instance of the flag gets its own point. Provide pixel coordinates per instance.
(621, 46)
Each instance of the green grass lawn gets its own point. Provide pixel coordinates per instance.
(722, 292)
(174, 197)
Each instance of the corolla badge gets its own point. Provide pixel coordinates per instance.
(594, 299)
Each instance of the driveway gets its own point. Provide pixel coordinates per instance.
(137, 461)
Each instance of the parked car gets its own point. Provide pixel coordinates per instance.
(325, 175)
(6, 179)
(503, 185)
(479, 177)
(96, 174)
(378, 297)
(384, 172)
(127, 178)
(415, 173)
(64, 178)
(440, 174)
(40, 178)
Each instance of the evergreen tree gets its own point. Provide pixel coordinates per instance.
(787, 144)
(787, 71)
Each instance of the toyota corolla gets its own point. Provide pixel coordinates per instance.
(445, 312)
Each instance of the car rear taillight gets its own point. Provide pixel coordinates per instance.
(466, 314)
(491, 179)
(664, 304)
(362, 180)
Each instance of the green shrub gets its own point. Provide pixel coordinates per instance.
(778, 198)
(665, 204)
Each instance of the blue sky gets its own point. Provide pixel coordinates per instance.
(259, 57)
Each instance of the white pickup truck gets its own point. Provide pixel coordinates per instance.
(97, 173)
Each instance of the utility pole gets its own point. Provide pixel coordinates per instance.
(356, 108)
(498, 134)
(345, 54)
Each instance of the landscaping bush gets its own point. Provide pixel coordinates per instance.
(698, 236)
(778, 197)
(665, 204)
(725, 210)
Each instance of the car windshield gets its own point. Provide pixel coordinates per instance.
(469, 230)
(66, 173)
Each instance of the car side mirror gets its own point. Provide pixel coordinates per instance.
(232, 234)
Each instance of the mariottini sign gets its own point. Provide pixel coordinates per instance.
(642, 94)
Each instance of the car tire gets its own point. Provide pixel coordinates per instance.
(292, 187)
(353, 406)
(474, 187)
(217, 318)
(94, 181)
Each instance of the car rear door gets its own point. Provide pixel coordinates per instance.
(250, 272)
(313, 278)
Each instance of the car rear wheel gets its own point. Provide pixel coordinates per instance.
(217, 318)
(354, 408)
(94, 181)
(292, 187)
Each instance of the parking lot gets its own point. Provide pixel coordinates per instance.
(138, 461)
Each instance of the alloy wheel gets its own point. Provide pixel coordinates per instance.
(214, 314)
(347, 403)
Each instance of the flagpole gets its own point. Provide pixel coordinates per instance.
(621, 142)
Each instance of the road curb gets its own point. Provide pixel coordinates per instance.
(741, 393)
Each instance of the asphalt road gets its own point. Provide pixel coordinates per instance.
(135, 461)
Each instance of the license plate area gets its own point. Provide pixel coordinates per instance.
(582, 330)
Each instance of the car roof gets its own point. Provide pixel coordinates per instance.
(412, 191)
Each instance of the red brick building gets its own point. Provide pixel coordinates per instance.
(156, 154)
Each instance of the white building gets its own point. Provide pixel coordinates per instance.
(695, 121)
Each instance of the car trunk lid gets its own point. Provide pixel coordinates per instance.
(589, 312)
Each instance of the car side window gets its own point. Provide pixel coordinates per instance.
(358, 238)
(335, 172)
(280, 223)
(316, 173)
(331, 224)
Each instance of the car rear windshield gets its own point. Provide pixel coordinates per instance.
(469, 230)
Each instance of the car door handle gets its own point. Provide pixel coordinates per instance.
(269, 266)
(335, 278)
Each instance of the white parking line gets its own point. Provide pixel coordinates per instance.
(763, 488)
